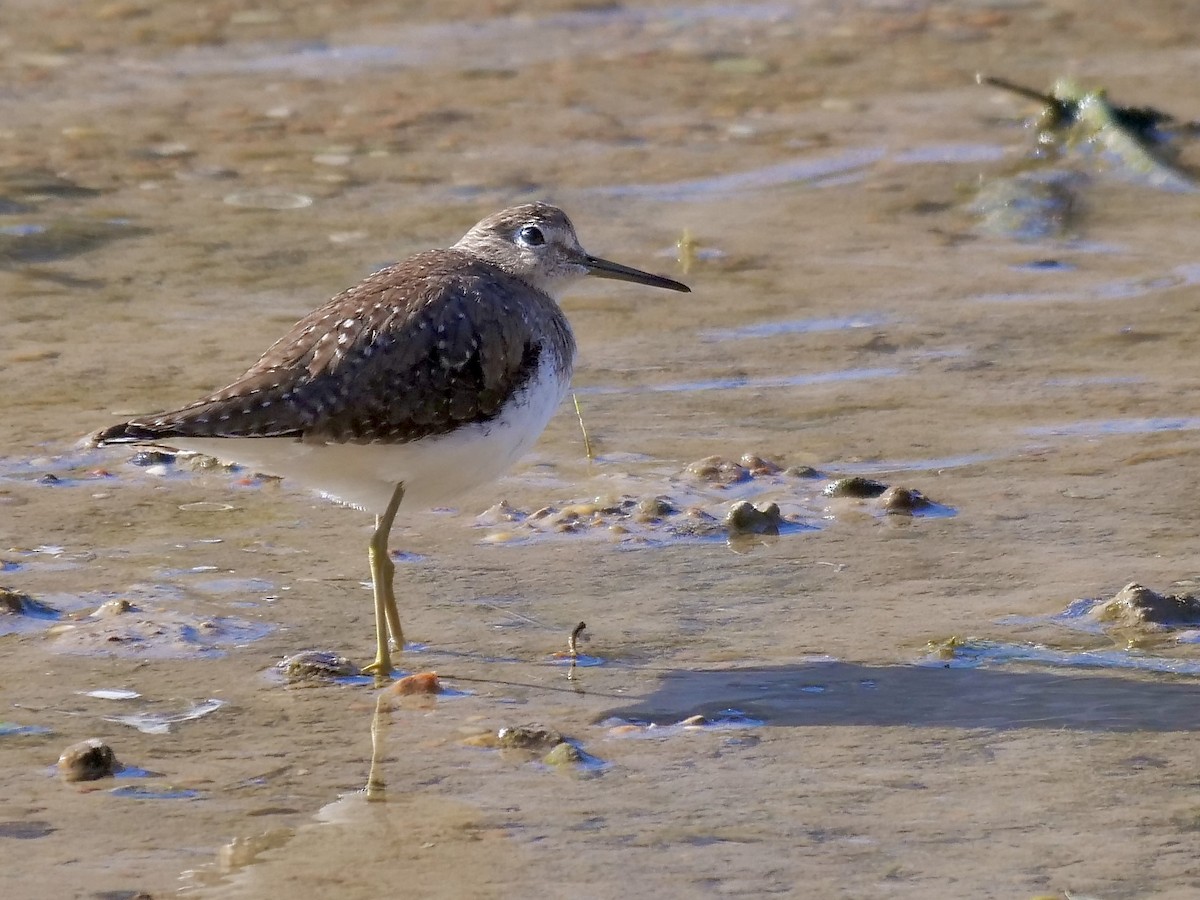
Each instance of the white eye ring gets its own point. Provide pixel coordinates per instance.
(531, 236)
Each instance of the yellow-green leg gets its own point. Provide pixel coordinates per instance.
(387, 617)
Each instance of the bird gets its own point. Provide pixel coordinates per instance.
(426, 379)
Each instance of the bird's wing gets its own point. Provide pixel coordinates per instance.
(417, 349)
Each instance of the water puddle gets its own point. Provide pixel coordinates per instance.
(723, 720)
(935, 464)
(152, 721)
(628, 521)
(745, 503)
(1111, 427)
(496, 44)
(1094, 381)
(833, 170)
(20, 613)
(972, 652)
(132, 792)
(579, 660)
(1044, 265)
(952, 153)
(237, 586)
(111, 694)
(69, 469)
(121, 628)
(735, 382)
(541, 746)
(1121, 289)
(125, 771)
(798, 326)
(847, 164)
(26, 829)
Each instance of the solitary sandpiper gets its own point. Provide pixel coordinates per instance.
(426, 379)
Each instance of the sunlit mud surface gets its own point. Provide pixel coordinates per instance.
(782, 687)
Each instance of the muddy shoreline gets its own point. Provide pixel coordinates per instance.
(177, 186)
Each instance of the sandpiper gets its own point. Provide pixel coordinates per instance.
(426, 379)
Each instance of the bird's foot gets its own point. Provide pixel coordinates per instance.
(381, 668)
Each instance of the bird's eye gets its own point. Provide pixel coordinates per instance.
(531, 236)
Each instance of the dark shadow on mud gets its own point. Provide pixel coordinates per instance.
(837, 693)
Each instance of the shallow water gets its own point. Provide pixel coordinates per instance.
(178, 186)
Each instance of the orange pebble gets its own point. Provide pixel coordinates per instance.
(417, 683)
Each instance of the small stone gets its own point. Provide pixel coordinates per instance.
(744, 518)
(855, 486)
(49, 478)
(697, 523)
(316, 665)
(502, 537)
(528, 737)
(902, 500)
(757, 465)
(580, 511)
(114, 607)
(1138, 606)
(87, 761)
(199, 462)
(500, 513)
(653, 509)
(563, 754)
(694, 721)
(718, 470)
(152, 458)
(419, 683)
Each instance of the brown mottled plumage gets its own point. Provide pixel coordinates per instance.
(401, 356)
(426, 379)
(419, 348)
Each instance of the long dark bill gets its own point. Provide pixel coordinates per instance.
(603, 268)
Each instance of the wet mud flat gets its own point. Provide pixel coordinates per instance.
(870, 702)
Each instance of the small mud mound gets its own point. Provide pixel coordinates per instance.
(1136, 606)
(118, 627)
(538, 743)
(20, 612)
(711, 499)
(88, 760)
